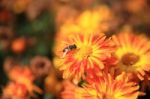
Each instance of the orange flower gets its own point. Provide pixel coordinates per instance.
(72, 91)
(133, 54)
(15, 91)
(96, 20)
(24, 76)
(19, 45)
(93, 21)
(20, 5)
(83, 54)
(106, 87)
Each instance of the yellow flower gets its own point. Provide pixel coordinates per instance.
(88, 56)
(106, 87)
(133, 54)
(96, 20)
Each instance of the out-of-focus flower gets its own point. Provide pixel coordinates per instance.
(24, 76)
(19, 45)
(6, 35)
(40, 66)
(15, 91)
(9, 63)
(67, 9)
(135, 6)
(64, 14)
(53, 84)
(81, 54)
(133, 54)
(96, 20)
(5, 16)
(34, 9)
(84, 4)
(18, 6)
(30, 7)
(106, 87)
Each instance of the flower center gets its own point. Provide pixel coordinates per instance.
(130, 59)
(84, 52)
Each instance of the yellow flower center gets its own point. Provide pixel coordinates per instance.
(83, 52)
(130, 59)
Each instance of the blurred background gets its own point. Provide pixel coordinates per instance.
(28, 29)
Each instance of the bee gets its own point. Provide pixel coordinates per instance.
(68, 48)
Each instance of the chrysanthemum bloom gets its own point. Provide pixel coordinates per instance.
(15, 91)
(106, 87)
(40, 66)
(24, 76)
(95, 20)
(71, 91)
(133, 54)
(83, 54)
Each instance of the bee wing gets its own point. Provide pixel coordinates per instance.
(64, 54)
